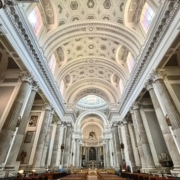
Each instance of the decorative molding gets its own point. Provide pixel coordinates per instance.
(26, 76)
(167, 13)
(2, 31)
(22, 30)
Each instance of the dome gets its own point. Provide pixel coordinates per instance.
(91, 102)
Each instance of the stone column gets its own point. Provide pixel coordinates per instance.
(77, 153)
(43, 141)
(107, 154)
(63, 145)
(56, 148)
(22, 127)
(143, 137)
(139, 147)
(67, 146)
(14, 115)
(80, 155)
(117, 145)
(173, 151)
(134, 145)
(167, 103)
(129, 146)
(104, 155)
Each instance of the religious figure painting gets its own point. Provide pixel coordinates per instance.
(92, 153)
(29, 136)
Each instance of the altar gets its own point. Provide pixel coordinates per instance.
(93, 170)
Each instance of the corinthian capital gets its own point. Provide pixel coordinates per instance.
(148, 84)
(136, 105)
(26, 76)
(35, 86)
(157, 74)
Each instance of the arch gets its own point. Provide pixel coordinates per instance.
(85, 113)
(120, 34)
(88, 123)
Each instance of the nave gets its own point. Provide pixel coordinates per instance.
(88, 84)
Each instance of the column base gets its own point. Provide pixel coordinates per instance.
(175, 171)
(157, 170)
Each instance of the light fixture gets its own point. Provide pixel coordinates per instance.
(21, 171)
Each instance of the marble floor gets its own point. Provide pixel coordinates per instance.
(92, 177)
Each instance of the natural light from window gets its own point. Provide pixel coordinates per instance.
(52, 63)
(147, 16)
(130, 62)
(35, 20)
(121, 86)
(62, 87)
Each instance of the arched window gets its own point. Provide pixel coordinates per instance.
(147, 16)
(35, 20)
(130, 62)
(121, 86)
(62, 87)
(52, 63)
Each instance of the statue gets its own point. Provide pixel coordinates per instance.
(23, 155)
(92, 135)
(92, 164)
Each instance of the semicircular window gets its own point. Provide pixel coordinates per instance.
(92, 102)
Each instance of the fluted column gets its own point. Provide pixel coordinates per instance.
(41, 149)
(140, 151)
(22, 126)
(56, 148)
(14, 115)
(173, 151)
(129, 145)
(62, 145)
(80, 156)
(104, 155)
(77, 153)
(167, 103)
(107, 154)
(117, 145)
(67, 146)
(149, 163)
(134, 145)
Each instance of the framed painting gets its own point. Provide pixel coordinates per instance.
(29, 137)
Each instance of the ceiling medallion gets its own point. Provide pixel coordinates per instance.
(74, 5)
(90, 3)
(107, 4)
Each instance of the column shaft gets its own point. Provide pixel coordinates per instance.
(168, 104)
(143, 138)
(21, 129)
(43, 140)
(129, 146)
(56, 148)
(67, 147)
(173, 151)
(12, 120)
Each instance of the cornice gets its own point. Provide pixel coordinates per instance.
(168, 11)
(30, 43)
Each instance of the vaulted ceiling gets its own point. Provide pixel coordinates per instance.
(91, 40)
